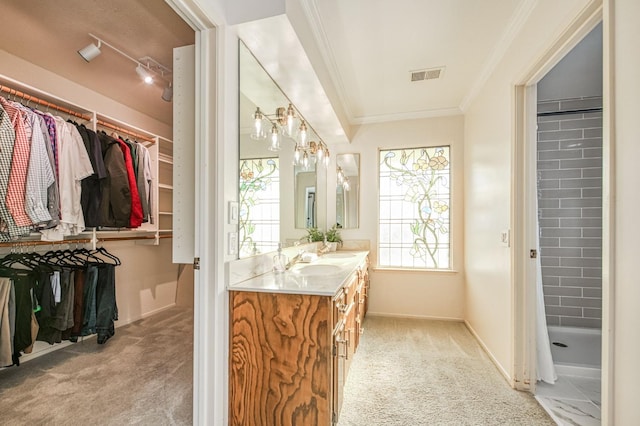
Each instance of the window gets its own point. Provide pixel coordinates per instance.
(414, 208)
(259, 206)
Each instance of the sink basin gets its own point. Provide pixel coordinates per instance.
(313, 270)
(338, 255)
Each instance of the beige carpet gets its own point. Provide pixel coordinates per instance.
(410, 372)
(142, 375)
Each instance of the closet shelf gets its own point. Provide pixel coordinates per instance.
(164, 158)
(165, 186)
(166, 213)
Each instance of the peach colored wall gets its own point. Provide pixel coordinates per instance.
(408, 293)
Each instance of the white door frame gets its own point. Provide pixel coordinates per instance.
(524, 216)
(210, 301)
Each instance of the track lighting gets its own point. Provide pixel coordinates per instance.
(90, 51)
(147, 68)
(167, 93)
(144, 74)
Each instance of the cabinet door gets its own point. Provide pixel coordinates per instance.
(280, 359)
(340, 352)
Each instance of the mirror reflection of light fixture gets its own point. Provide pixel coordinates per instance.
(282, 123)
(90, 51)
(342, 179)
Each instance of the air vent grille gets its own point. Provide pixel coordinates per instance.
(428, 74)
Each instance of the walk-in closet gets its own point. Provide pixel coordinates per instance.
(95, 316)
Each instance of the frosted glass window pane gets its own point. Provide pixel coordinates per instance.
(414, 204)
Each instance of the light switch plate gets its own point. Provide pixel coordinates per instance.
(232, 247)
(233, 213)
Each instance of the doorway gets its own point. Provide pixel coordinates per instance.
(565, 228)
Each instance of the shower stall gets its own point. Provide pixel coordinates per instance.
(569, 179)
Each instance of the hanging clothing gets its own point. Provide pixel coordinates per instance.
(74, 166)
(6, 339)
(53, 194)
(115, 206)
(145, 182)
(39, 176)
(8, 227)
(91, 186)
(19, 165)
(135, 217)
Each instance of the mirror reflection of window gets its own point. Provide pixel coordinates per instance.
(259, 203)
(347, 190)
(271, 127)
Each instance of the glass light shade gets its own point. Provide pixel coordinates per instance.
(275, 139)
(258, 130)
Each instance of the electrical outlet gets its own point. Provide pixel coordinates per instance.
(232, 247)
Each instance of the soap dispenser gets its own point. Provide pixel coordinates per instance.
(280, 260)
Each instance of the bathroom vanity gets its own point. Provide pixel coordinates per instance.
(292, 339)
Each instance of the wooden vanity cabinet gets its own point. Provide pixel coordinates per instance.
(289, 354)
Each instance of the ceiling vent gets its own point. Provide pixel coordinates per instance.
(429, 74)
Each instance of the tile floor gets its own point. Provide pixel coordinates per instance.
(572, 400)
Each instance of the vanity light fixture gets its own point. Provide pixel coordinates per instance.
(283, 123)
(147, 68)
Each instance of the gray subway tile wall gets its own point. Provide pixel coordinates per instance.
(570, 211)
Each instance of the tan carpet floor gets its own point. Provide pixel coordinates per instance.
(411, 372)
(143, 375)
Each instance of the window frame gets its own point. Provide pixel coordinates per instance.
(450, 267)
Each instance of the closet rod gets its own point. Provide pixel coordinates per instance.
(30, 98)
(570, 111)
(26, 243)
(126, 131)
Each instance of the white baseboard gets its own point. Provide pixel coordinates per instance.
(493, 359)
(426, 317)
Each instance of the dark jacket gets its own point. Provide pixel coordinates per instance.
(115, 207)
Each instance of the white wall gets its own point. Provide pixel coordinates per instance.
(626, 151)
(488, 142)
(407, 293)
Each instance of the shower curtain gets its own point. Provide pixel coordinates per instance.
(546, 371)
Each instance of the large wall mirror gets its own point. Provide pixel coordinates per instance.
(282, 178)
(347, 190)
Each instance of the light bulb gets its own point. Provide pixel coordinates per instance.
(326, 158)
(296, 155)
(290, 119)
(275, 139)
(303, 134)
(257, 125)
(305, 160)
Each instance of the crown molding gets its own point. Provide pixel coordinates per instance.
(383, 118)
(516, 24)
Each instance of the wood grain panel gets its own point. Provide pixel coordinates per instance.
(280, 359)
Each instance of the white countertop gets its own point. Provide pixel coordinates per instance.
(323, 277)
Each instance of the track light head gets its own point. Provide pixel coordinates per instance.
(90, 51)
(145, 74)
(167, 93)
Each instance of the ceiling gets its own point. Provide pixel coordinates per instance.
(366, 49)
(49, 35)
(370, 47)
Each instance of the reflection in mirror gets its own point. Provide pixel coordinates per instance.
(305, 196)
(347, 190)
(279, 154)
